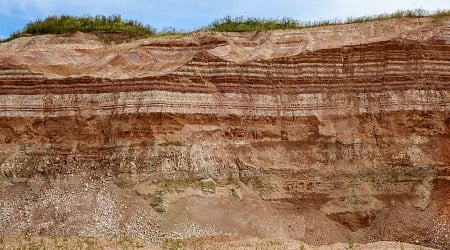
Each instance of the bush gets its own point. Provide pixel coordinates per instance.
(240, 24)
(66, 24)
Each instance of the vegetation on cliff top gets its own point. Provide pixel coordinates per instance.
(109, 24)
(240, 24)
(102, 24)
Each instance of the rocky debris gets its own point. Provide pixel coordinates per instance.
(236, 193)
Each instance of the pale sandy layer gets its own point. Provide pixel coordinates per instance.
(226, 104)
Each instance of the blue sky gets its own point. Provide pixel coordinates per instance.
(193, 14)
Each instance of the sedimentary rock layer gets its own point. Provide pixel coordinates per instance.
(392, 75)
(328, 134)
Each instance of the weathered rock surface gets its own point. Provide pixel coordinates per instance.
(324, 135)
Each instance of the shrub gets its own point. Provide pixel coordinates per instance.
(66, 24)
(241, 24)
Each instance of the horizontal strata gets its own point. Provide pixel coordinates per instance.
(222, 104)
(247, 85)
(371, 68)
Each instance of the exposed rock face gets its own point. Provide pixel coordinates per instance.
(327, 134)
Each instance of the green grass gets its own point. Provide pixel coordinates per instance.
(241, 24)
(108, 24)
(89, 24)
(174, 244)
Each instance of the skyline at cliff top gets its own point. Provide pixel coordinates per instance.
(189, 15)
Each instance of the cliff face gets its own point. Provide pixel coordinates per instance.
(327, 134)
